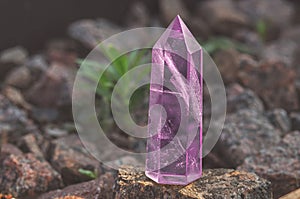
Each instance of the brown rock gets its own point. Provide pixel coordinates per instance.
(171, 8)
(273, 82)
(19, 77)
(68, 156)
(223, 16)
(26, 175)
(244, 134)
(279, 164)
(218, 183)
(54, 88)
(101, 188)
(16, 97)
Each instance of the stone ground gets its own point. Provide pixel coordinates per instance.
(255, 45)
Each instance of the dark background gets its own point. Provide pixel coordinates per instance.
(32, 22)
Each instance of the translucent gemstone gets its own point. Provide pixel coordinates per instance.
(174, 145)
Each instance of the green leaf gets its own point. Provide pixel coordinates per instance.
(88, 173)
(261, 29)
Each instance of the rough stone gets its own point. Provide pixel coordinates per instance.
(239, 98)
(68, 156)
(244, 134)
(273, 82)
(27, 176)
(19, 77)
(279, 164)
(54, 88)
(276, 14)
(15, 96)
(222, 16)
(218, 183)
(14, 122)
(295, 120)
(96, 189)
(280, 119)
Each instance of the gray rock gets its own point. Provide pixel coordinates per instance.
(138, 15)
(280, 119)
(244, 134)
(16, 55)
(280, 164)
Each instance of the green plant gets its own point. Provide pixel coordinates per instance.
(120, 65)
(220, 43)
(261, 29)
(88, 173)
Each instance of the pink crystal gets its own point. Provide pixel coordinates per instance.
(174, 146)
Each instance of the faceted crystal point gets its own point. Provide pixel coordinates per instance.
(174, 145)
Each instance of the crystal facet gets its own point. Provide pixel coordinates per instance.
(174, 145)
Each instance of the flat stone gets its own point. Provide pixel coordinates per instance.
(244, 134)
(96, 189)
(67, 156)
(215, 183)
(27, 176)
(279, 164)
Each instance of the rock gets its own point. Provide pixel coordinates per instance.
(252, 40)
(92, 32)
(62, 51)
(239, 98)
(292, 195)
(54, 88)
(16, 97)
(11, 58)
(229, 62)
(14, 122)
(68, 156)
(27, 176)
(222, 16)
(171, 8)
(55, 132)
(45, 115)
(280, 119)
(244, 134)
(35, 144)
(280, 164)
(277, 15)
(282, 50)
(8, 149)
(96, 189)
(295, 119)
(16, 55)
(218, 183)
(138, 15)
(19, 77)
(273, 82)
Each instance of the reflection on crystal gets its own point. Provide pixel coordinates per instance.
(175, 142)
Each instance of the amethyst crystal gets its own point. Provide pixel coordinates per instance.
(174, 145)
